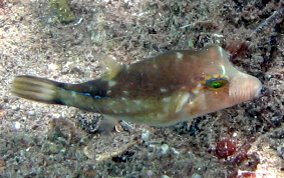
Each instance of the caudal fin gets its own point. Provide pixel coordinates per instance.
(37, 89)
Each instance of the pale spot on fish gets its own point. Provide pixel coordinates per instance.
(109, 92)
(182, 102)
(196, 92)
(197, 89)
(115, 111)
(112, 104)
(199, 85)
(166, 100)
(163, 90)
(111, 83)
(137, 102)
(125, 92)
(179, 55)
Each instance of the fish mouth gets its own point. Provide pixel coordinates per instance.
(245, 88)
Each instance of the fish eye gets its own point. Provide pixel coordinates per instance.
(216, 83)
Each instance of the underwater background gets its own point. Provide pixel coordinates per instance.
(66, 41)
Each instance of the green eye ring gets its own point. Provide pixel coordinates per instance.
(216, 83)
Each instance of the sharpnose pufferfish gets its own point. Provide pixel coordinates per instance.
(160, 91)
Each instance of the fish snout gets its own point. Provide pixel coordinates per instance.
(244, 88)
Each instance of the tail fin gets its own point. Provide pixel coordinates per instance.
(37, 89)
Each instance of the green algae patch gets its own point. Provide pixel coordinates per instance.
(62, 11)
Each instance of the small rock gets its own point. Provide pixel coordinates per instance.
(2, 165)
(280, 151)
(164, 149)
(52, 67)
(165, 176)
(195, 175)
(31, 113)
(145, 135)
(149, 173)
(16, 125)
(175, 151)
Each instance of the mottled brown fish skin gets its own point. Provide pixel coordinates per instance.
(163, 90)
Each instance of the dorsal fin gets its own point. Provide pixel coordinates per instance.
(111, 66)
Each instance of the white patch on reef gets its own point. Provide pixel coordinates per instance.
(179, 55)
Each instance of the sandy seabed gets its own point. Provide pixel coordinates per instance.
(39, 140)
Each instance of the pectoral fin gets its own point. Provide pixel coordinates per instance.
(180, 100)
(111, 67)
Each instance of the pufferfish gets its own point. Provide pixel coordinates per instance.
(160, 91)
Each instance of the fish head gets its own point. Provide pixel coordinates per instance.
(220, 85)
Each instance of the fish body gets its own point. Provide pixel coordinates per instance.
(159, 91)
